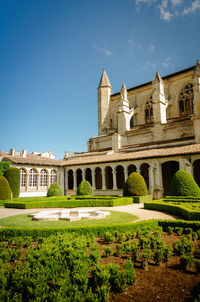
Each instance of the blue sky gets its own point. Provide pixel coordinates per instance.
(52, 53)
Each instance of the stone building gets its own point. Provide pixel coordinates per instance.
(153, 128)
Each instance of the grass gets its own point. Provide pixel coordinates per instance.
(25, 221)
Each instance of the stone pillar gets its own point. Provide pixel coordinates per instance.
(185, 164)
(61, 178)
(38, 181)
(83, 174)
(158, 184)
(93, 178)
(75, 180)
(151, 180)
(66, 180)
(114, 178)
(103, 179)
(27, 181)
(125, 172)
(48, 178)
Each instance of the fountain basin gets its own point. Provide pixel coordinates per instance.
(69, 215)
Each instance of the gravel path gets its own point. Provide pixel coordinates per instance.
(135, 209)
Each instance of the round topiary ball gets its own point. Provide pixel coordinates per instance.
(183, 184)
(13, 176)
(84, 188)
(54, 190)
(135, 185)
(5, 190)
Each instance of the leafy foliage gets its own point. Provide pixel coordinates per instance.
(183, 184)
(84, 188)
(4, 165)
(5, 190)
(13, 176)
(54, 190)
(135, 185)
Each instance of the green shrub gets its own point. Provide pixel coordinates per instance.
(186, 262)
(4, 165)
(117, 278)
(5, 190)
(135, 185)
(84, 188)
(54, 190)
(13, 176)
(183, 184)
(107, 251)
(130, 274)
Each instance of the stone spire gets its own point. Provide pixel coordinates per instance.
(104, 82)
(157, 78)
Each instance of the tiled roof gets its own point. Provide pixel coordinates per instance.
(30, 159)
(123, 156)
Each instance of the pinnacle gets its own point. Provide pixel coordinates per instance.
(104, 82)
(157, 77)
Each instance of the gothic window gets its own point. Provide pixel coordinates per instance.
(32, 178)
(186, 100)
(43, 178)
(149, 111)
(22, 178)
(53, 176)
(131, 122)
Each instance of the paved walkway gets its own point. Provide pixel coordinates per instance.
(135, 209)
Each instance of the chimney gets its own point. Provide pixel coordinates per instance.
(12, 152)
(24, 152)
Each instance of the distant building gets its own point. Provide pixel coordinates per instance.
(153, 128)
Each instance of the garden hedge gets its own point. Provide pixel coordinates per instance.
(70, 203)
(183, 184)
(135, 185)
(13, 176)
(6, 233)
(142, 199)
(55, 190)
(84, 188)
(5, 190)
(174, 209)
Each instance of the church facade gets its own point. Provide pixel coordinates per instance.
(153, 128)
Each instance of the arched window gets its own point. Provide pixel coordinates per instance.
(186, 100)
(22, 177)
(32, 178)
(53, 176)
(149, 111)
(43, 178)
(131, 122)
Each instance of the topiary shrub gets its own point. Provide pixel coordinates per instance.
(135, 185)
(84, 188)
(183, 184)
(5, 190)
(54, 190)
(13, 176)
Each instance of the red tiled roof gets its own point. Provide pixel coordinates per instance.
(123, 156)
(30, 159)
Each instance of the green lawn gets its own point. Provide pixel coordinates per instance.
(25, 221)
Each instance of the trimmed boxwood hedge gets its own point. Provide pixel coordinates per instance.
(54, 190)
(70, 203)
(5, 190)
(183, 184)
(174, 209)
(84, 188)
(13, 176)
(35, 233)
(135, 185)
(141, 199)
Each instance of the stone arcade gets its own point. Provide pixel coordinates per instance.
(153, 128)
